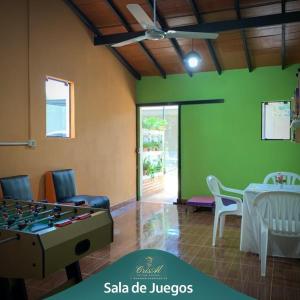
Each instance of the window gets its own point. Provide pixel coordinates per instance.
(276, 119)
(58, 108)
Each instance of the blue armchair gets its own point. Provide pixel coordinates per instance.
(65, 191)
(16, 187)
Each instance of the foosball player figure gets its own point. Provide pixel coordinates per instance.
(22, 225)
(50, 221)
(56, 212)
(10, 221)
(32, 208)
(19, 213)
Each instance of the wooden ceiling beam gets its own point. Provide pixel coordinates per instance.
(209, 43)
(220, 26)
(244, 37)
(163, 23)
(128, 27)
(244, 23)
(97, 34)
(283, 46)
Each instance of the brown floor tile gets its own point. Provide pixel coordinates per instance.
(50, 282)
(89, 265)
(102, 253)
(169, 228)
(261, 291)
(246, 258)
(284, 293)
(286, 276)
(234, 283)
(217, 269)
(249, 273)
(35, 293)
(184, 251)
(218, 254)
(118, 252)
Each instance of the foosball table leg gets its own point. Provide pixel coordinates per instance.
(13, 289)
(4, 288)
(73, 272)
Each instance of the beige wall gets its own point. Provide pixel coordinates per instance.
(103, 152)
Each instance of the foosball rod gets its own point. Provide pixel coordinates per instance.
(14, 210)
(32, 215)
(28, 210)
(43, 219)
(12, 238)
(26, 217)
(60, 215)
(7, 205)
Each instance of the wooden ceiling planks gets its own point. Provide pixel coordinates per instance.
(264, 43)
(261, 11)
(175, 8)
(140, 63)
(229, 47)
(266, 57)
(208, 6)
(130, 19)
(98, 12)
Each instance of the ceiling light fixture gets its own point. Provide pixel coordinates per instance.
(193, 60)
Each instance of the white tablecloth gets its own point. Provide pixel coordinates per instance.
(250, 230)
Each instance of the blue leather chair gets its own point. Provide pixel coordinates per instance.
(65, 190)
(16, 187)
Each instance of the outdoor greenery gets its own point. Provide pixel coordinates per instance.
(153, 146)
(153, 142)
(155, 123)
(150, 168)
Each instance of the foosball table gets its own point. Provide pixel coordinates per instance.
(37, 239)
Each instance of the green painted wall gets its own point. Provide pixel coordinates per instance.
(224, 139)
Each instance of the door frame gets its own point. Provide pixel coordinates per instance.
(166, 103)
(138, 154)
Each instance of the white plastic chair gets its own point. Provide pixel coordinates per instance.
(291, 178)
(221, 210)
(279, 213)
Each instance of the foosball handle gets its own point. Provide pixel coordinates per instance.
(82, 217)
(63, 223)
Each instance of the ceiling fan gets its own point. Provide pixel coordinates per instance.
(153, 32)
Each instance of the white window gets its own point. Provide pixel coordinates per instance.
(58, 104)
(276, 119)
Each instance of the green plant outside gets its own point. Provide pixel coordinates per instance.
(151, 168)
(155, 123)
(153, 146)
(225, 139)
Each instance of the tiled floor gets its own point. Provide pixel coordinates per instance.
(167, 227)
(161, 197)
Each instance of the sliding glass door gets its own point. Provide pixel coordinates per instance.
(158, 153)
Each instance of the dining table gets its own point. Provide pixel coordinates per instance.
(250, 227)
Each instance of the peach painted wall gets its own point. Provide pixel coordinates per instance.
(103, 152)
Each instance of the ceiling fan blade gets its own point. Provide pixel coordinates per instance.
(191, 35)
(141, 16)
(130, 41)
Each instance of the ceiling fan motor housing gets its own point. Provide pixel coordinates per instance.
(155, 34)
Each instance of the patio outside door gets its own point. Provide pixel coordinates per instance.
(158, 153)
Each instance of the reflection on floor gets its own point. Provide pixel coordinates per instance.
(160, 197)
(167, 227)
(170, 192)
